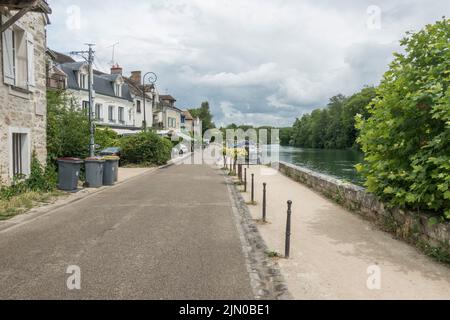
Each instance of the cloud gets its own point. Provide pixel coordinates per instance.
(266, 62)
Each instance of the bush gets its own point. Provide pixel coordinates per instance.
(406, 140)
(145, 148)
(39, 180)
(67, 128)
(105, 137)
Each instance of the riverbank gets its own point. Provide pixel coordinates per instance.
(332, 250)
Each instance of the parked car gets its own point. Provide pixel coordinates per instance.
(181, 149)
(111, 151)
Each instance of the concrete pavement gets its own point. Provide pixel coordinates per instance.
(334, 253)
(168, 234)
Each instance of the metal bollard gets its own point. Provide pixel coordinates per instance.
(287, 247)
(240, 172)
(245, 179)
(264, 201)
(253, 187)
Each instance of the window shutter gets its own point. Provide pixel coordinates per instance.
(30, 60)
(8, 57)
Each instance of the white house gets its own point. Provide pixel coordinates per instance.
(114, 102)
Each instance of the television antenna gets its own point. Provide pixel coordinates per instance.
(113, 60)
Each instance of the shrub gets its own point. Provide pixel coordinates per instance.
(39, 180)
(406, 140)
(67, 128)
(145, 148)
(105, 137)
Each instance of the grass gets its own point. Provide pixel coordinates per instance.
(273, 254)
(24, 202)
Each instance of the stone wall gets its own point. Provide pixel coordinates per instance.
(411, 226)
(25, 109)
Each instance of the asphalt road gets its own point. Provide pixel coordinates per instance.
(165, 235)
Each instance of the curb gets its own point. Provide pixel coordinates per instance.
(266, 279)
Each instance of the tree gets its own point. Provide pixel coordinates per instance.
(334, 126)
(406, 139)
(67, 127)
(204, 114)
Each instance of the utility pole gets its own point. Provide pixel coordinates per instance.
(90, 60)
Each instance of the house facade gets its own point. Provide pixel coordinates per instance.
(114, 104)
(166, 116)
(187, 122)
(23, 102)
(137, 93)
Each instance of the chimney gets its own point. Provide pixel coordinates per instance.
(136, 77)
(116, 69)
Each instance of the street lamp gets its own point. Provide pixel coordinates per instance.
(152, 79)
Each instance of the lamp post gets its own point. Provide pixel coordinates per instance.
(152, 79)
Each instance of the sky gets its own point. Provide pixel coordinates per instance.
(256, 62)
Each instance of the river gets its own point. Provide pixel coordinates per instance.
(337, 163)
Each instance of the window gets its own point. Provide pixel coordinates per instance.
(172, 122)
(18, 57)
(118, 89)
(138, 106)
(19, 152)
(111, 114)
(98, 112)
(85, 106)
(83, 80)
(120, 113)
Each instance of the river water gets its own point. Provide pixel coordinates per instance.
(337, 163)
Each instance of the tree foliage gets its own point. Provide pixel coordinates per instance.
(67, 127)
(406, 139)
(204, 114)
(334, 126)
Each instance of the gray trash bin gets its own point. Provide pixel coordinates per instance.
(94, 172)
(68, 173)
(110, 170)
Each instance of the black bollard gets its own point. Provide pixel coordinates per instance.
(253, 188)
(287, 247)
(264, 201)
(245, 179)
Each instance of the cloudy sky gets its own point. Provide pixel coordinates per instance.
(256, 62)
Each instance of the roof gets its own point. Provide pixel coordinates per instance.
(167, 97)
(37, 5)
(103, 83)
(134, 89)
(188, 115)
(59, 57)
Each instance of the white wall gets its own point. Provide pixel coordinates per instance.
(105, 102)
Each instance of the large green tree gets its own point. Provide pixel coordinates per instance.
(406, 139)
(332, 127)
(204, 114)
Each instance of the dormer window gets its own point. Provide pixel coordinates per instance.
(83, 81)
(118, 89)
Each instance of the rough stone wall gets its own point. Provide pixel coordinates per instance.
(411, 226)
(19, 109)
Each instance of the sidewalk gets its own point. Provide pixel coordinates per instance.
(332, 248)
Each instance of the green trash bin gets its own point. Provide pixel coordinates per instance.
(110, 170)
(94, 172)
(68, 173)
